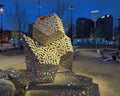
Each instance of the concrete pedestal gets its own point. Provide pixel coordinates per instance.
(66, 84)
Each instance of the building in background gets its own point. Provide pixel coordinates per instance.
(84, 27)
(5, 34)
(115, 37)
(30, 28)
(105, 25)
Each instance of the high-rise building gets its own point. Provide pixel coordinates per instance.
(5, 36)
(115, 33)
(30, 28)
(84, 27)
(105, 25)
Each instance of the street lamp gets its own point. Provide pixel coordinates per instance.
(38, 6)
(1, 27)
(71, 28)
(71, 25)
(95, 14)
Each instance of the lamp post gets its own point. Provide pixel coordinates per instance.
(95, 14)
(71, 25)
(38, 6)
(1, 27)
(71, 28)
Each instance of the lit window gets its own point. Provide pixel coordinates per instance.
(108, 15)
(103, 17)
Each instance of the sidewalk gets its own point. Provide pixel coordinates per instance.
(17, 62)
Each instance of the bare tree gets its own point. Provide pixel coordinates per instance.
(67, 23)
(60, 8)
(97, 33)
(17, 17)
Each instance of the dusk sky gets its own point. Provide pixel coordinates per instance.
(82, 8)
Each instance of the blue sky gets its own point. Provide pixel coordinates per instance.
(82, 8)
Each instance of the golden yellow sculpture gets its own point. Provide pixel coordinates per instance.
(49, 49)
(48, 29)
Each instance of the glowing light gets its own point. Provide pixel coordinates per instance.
(1, 10)
(108, 15)
(95, 11)
(103, 17)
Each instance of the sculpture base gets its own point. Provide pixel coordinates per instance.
(66, 84)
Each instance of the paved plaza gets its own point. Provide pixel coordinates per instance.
(17, 61)
(106, 74)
